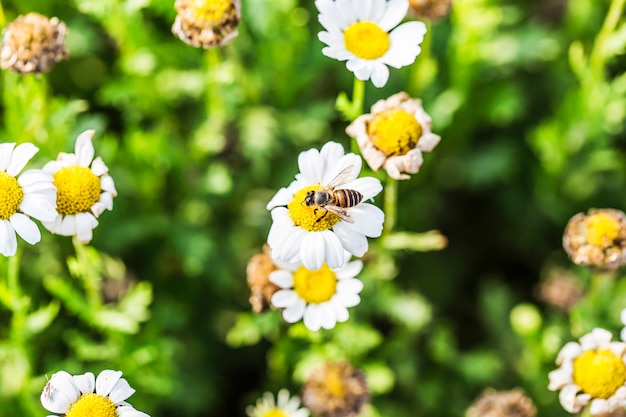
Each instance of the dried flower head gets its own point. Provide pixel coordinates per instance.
(335, 390)
(394, 135)
(492, 403)
(597, 238)
(429, 9)
(561, 289)
(616, 413)
(260, 266)
(206, 23)
(33, 44)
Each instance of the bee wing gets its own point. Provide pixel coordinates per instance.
(339, 212)
(346, 175)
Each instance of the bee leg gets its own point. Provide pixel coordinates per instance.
(319, 219)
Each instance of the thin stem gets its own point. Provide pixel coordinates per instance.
(390, 205)
(89, 278)
(358, 97)
(214, 100)
(597, 58)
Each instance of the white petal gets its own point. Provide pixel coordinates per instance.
(290, 248)
(25, 228)
(35, 180)
(63, 225)
(623, 316)
(86, 383)
(363, 9)
(380, 74)
(567, 398)
(128, 411)
(597, 338)
(312, 320)
(368, 219)
(106, 199)
(346, 10)
(98, 167)
(284, 298)
(312, 250)
(61, 392)
(311, 165)
(341, 312)
(349, 286)
(349, 270)
(568, 352)
(106, 381)
(294, 312)
(107, 184)
(21, 155)
(84, 148)
(327, 316)
(281, 198)
(368, 186)
(355, 243)
(8, 241)
(85, 223)
(284, 279)
(334, 253)
(121, 391)
(39, 206)
(396, 10)
(6, 150)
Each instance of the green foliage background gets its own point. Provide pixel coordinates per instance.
(528, 97)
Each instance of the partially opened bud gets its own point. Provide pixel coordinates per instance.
(206, 23)
(429, 9)
(33, 44)
(493, 403)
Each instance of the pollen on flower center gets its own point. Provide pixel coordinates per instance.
(11, 196)
(210, 10)
(394, 131)
(78, 189)
(311, 219)
(274, 412)
(335, 382)
(315, 287)
(599, 372)
(366, 40)
(602, 229)
(92, 405)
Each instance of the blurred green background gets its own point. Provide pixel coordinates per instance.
(529, 101)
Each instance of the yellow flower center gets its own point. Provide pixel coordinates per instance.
(78, 188)
(366, 40)
(212, 11)
(312, 219)
(274, 412)
(11, 196)
(315, 287)
(394, 131)
(602, 229)
(334, 382)
(92, 405)
(599, 372)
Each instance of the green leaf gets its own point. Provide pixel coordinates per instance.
(380, 378)
(40, 319)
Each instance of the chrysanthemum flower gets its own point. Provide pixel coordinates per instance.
(86, 396)
(494, 403)
(394, 135)
(322, 297)
(31, 194)
(284, 406)
(84, 190)
(313, 235)
(33, 44)
(429, 9)
(597, 238)
(206, 23)
(336, 389)
(591, 372)
(360, 32)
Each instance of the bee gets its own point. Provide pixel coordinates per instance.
(336, 201)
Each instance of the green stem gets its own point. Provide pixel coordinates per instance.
(358, 98)
(214, 100)
(597, 58)
(90, 279)
(390, 206)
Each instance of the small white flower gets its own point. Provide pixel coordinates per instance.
(591, 372)
(84, 190)
(85, 396)
(321, 297)
(313, 235)
(31, 194)
(284, 406)
(360, 32)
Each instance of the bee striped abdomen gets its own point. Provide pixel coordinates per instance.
(347, 198)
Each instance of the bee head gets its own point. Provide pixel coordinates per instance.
(309, 199)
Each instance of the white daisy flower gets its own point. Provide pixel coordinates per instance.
(322, 297)
(86, 396)
(360, 32)
(591, 372)
(31, 194)
(306, 232)
(284, 406)
(84, 190)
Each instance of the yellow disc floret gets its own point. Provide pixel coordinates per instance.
(11, 196)
(78, 189)
(316, 286)
(92, 405)
(274, 412)
(599, 372)
(602, 229)
(335, 382)
(311, 219)
(394, 131)
(212, 11)
(366, 40)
